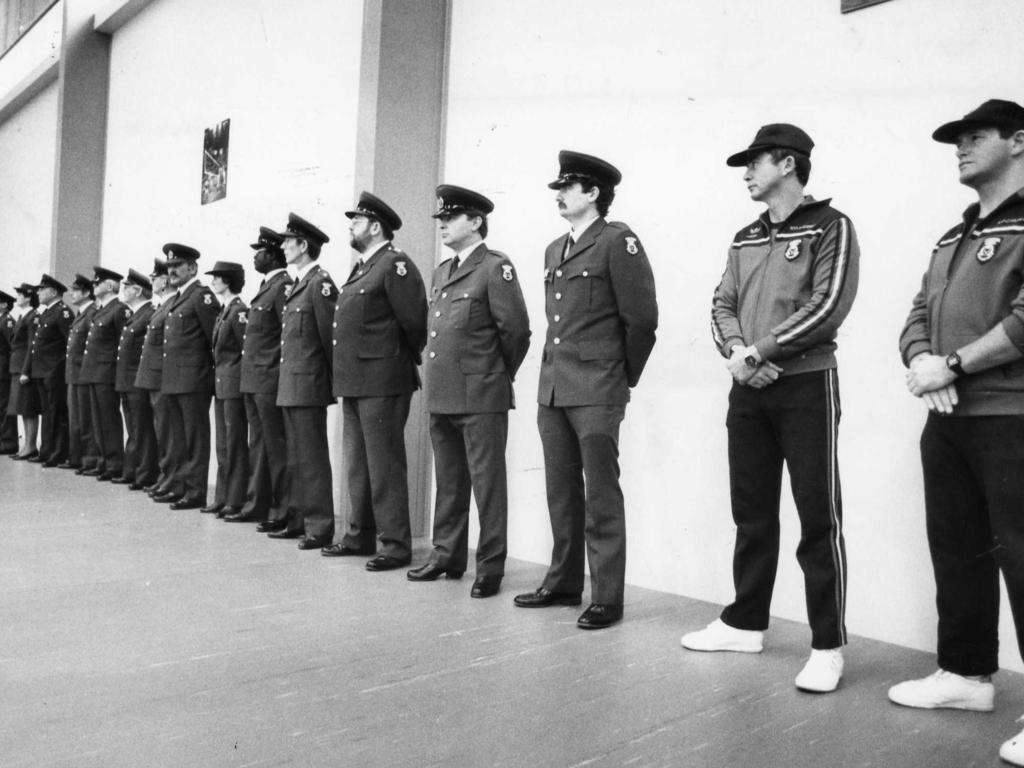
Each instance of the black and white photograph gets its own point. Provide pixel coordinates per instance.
(215, 162)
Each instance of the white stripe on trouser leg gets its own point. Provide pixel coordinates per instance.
(833, 500)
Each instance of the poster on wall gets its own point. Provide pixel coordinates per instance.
(215, 162)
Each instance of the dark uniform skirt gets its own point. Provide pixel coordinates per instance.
(24, 399)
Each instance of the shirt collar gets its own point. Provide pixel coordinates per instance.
(972, 211)
(301, 272)
(577, 232)
(365, 257)
(461, 255)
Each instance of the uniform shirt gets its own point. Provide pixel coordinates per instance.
(379, 327)
(974, 282)
(77, 334)
(602, 315)
(228, 337)
(129, 348)
(99, 361)
(188, 341)
(479, 333)
(261, 347)
(787, 289)
(304, 375)
(48, 342)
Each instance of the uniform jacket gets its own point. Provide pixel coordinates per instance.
(99, 363)
(77, 334)
(188, 341)
(304, 378)
(261, 350)
(49, 342)
(228, 334)
(151, 363)
(602, 315)
(380, 327)
(974, 282)
(479, 335)
(20, 337)
(6, 333)
(788, 291)
(129, 348)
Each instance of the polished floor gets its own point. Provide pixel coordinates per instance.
(131, 635)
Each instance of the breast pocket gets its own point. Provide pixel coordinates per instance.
(462, 311)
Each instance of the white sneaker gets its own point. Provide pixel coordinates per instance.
(822, 671)
(719, 636)
(944, 690)
(1012, 751)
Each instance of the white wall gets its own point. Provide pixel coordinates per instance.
(28, 150)
(666, 90)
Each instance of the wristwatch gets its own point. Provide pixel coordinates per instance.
(955, 364)
(751, 361)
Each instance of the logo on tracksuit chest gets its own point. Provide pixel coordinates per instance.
(988, 249)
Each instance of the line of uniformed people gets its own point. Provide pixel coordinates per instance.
(165, 344)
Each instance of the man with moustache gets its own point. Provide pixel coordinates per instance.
(45, 367)
(99, 369)
(187, 377)
(8, 424)
(602, 315)
(82, 451)
(265, 500)
(304, 387)
(140, 468)
(479, 335)
(380, 327)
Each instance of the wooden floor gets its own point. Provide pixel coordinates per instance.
(131, 635)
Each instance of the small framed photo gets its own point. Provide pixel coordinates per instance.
(215, 162)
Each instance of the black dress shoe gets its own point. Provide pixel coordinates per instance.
(542, 598)
(270, 526)
(237, 516)
(122, 481)
(106, 477)
(51, 463)
(91, 472)
(136, 487)
(431, 572)
(68, 465)
(284, 533)
(210, 509)
(343, 550)
(599, 616)
(387, 563)
(225, 511)
(35, 458)
(309, 542)
(486, 586)
(25, 456)
(166, 498)
(184, 503)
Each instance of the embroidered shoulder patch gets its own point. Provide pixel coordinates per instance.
(506, 273)
(242, 318)
(325, 289)
(988, 248)
(207, 299)
(288, 290)
(127, 313)
(400, 269)
(631, 247)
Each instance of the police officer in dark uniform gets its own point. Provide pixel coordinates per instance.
(304, 387)
(150, 378)
(45, 365)
(8, 424)
(602, 315)
(24, 399)
(265, 499)
(140, 467)
(99, 369)
(479, 335)
(82, 451)
(232, 430)
(380, 327)
(187, 378)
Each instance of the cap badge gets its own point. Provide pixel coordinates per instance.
(988, 248)
(170, 254)
(793, 249)
(631, 246)
(506, 273)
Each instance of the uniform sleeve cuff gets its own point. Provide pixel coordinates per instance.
(768, 348)
(914, 349)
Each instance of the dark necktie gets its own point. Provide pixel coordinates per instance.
(355, 270)
(568, 247)
(454, 267)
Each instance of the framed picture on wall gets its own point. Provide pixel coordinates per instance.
(215, 162)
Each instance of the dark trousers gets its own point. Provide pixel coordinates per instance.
(266, 495)
(469, 454)
(373, 454)
(169, 440)
(189, 415)
(232, 452)
(796, 421)
(310, 494)
(82, 450)
(140, 454)
(8, 424)
(974, 487)
(53, 425)
(581, 472)
(107, 428)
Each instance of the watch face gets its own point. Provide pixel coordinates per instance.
(750, 361)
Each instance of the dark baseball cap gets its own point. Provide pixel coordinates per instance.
(773, 136)
(994, 113)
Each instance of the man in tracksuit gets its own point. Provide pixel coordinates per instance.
(964, 346)
(789, 283)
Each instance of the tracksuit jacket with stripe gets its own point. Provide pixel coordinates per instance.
(974, 282)
(787, 289)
